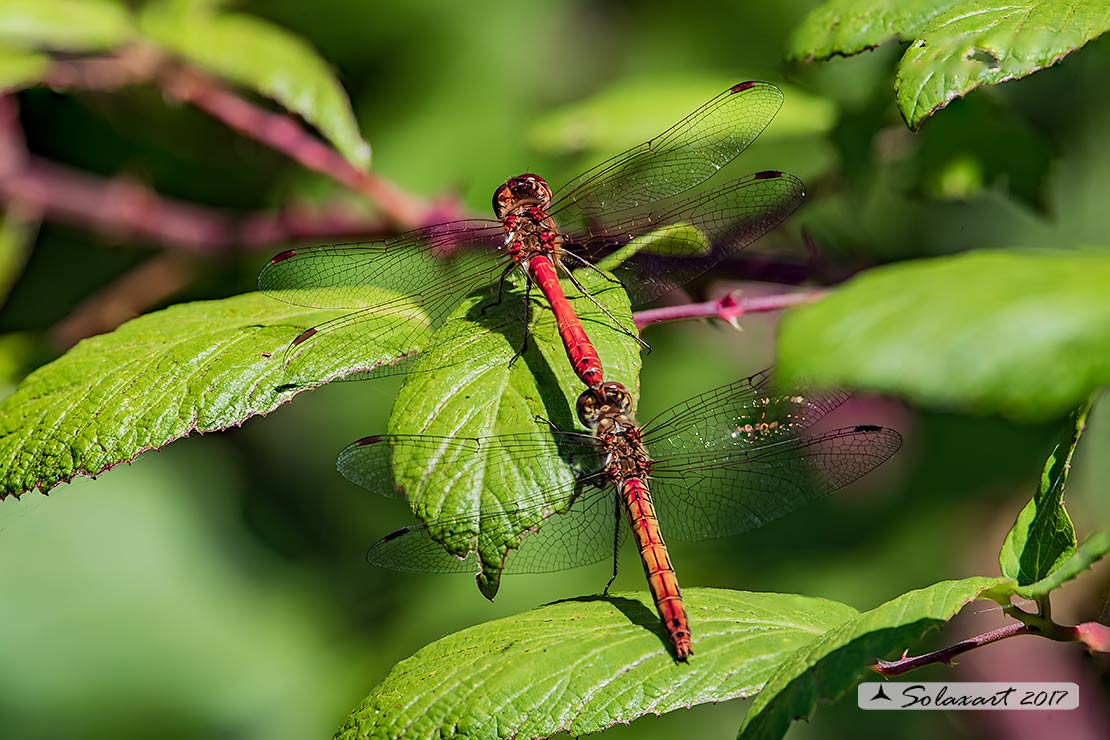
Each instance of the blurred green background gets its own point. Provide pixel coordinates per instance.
(218, 588)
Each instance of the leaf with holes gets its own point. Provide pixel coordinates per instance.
(957, 45)
(981, 42)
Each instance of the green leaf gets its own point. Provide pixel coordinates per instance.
(985, 42)
(1021, 334)
(1081, 558)
(584, 665)
(632, 112)
(831, 664)
(20, 67)
(464, 386)
(263, 57)
(1043, 536)
(65, 25)
(846, 27)
(194, 367)
(958, 45)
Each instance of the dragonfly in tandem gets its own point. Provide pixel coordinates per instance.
(634, 194)
(721, 463)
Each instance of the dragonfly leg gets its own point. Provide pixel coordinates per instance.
(616, 543)
(590, 265)
(624, 329)
(527, 304)
(500, 288)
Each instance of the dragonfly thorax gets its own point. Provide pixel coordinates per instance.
(605, 407)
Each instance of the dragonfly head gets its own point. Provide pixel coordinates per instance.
(521, 192)
(605, 407)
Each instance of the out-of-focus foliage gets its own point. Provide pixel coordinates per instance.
(219, 588)
(1033, 340)
(262, 57)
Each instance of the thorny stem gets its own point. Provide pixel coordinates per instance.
(905, 664)
(728, 308)
(1028, 624)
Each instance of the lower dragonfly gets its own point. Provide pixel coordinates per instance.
(723, 462)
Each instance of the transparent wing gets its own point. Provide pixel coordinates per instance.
(716, 224)
(560, 524)
(729, 490)
(745, 412)
(402, 288)
(588, 532)
(339, 275)
(683, 156)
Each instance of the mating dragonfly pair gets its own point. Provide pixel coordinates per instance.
(721, 463)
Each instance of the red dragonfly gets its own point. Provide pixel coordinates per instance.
(721, 463)
(591, 217)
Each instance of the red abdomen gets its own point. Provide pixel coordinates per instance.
(580, 351)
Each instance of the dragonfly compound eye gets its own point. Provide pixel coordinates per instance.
(589, 407)
(503, 200)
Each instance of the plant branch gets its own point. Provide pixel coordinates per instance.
(1091, 634)
(890, 668)
(125, 209)
(279, 131)
(729, 308)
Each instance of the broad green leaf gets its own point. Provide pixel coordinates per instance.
(464, 386)
(264, 57)
(831, 664)
(584, 665)
(1024, 334)
(20, 67)
(1081, 558)
(846, 27)
(985, 42)
(957, 46)
(632, 112)
(1043, 536)
(65, 25)
(194, 367)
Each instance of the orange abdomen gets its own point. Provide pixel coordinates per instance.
(657, 564)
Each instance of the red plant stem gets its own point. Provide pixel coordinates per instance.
(905, 664)
(126, 209)
(728, 308)
(281, 133)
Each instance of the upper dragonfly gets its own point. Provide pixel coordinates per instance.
(537, 231)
